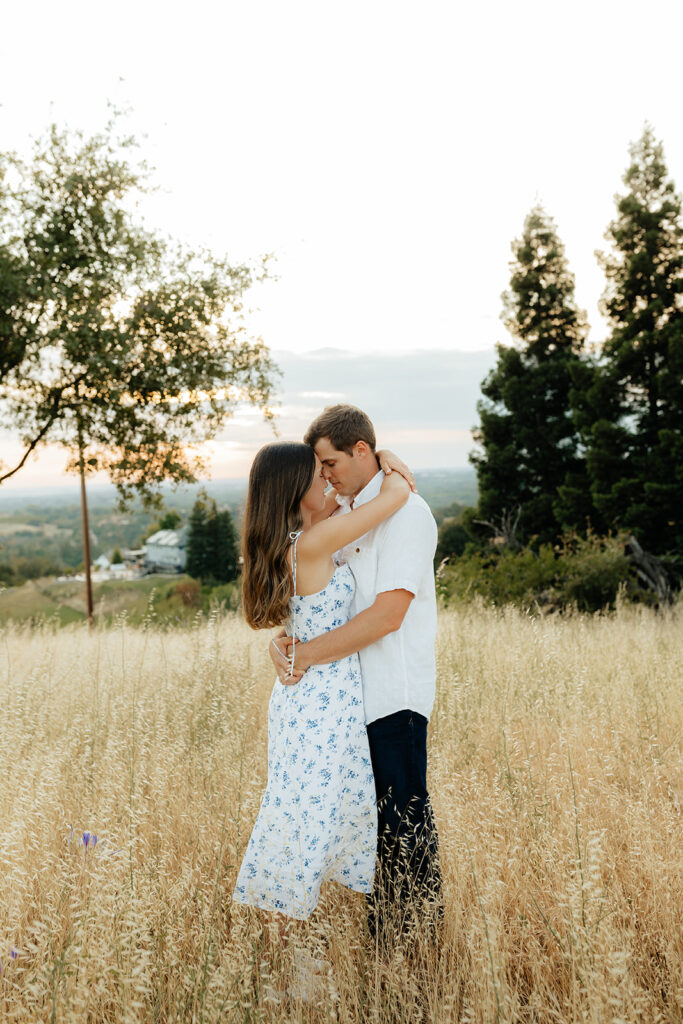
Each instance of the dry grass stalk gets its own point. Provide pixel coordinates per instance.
(557, 778)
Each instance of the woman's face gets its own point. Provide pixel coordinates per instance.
(314, 498)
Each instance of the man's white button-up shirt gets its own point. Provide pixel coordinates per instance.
(399, 671)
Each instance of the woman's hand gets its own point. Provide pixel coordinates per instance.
(391, 463)
(280, 653)
(395, 484)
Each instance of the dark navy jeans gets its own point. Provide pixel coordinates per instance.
(408, 876)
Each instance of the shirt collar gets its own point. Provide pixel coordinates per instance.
(370, 491)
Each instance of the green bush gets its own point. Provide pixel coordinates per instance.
(592, 571)
(453, 539)
(584, 572)
(225, 595)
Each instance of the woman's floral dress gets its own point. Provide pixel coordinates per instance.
(318, 818)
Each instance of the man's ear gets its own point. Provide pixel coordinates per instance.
(361, 449)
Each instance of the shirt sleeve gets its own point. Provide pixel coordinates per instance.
(406, 554)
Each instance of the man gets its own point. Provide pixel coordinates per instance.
(393, 627)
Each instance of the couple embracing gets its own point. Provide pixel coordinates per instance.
(348, 572)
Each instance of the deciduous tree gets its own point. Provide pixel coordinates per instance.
(114, 344)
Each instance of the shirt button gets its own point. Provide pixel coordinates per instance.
(357, 550)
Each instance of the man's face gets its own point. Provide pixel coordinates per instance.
(346, 473)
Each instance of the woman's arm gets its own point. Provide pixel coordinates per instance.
(331, 505)
(326, 537)
(389, 463)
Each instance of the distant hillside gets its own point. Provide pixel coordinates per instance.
(40, 534)
(442, 487)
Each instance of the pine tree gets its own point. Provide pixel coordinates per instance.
(227, 552)
(209, 572)
(527, 435)
(634, 423)
(212, 550)
(196, 551)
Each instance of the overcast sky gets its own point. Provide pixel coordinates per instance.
(386, 153)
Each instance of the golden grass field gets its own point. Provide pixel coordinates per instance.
(556, 774)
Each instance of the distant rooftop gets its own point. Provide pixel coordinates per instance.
(168, 538)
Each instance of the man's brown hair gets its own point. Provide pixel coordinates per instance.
(344, 425)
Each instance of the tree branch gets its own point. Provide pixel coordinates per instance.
(36, 440)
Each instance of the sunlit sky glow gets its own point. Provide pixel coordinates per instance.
(386, 153)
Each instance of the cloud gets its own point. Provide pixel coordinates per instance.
(411, 389)
(421, 403)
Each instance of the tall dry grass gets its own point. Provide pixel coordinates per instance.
(556, 773)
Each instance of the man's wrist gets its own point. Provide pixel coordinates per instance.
(301, 659)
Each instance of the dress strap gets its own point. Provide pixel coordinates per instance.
(294, 537)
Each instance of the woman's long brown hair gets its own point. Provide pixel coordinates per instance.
(280, 476)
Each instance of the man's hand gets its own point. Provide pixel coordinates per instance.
(301, 660)
(280, 656)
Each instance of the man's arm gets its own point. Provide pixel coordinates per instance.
(383, 617)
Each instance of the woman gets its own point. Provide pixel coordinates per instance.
(318, 817)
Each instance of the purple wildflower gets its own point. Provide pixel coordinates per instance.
(14, 953)
(89, 839)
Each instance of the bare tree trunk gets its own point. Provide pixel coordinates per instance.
(86, 533)
(505, 529)
(650, 570)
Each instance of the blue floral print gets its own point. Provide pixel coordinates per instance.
(318, 816)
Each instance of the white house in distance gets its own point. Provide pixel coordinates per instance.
(165, 551)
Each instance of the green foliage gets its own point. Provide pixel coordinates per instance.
(116, 558)
(452, 511)
(452, 539)
(114, 345)
(592, 571)
(197, 550)
(528, 441)
(212, 549)
(172, 604)
(226, 596)
(170, 520)
(227, 548)
(505, 577)
(17, 569)
(630, 407)
(585, 572)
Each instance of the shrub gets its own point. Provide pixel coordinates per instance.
(190, 593)
(585, 572)
(592, 569)
(453, 539)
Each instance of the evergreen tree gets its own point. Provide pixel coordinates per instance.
(529, 444)
(227, 549)
(211, 542)
(633, 419)
(196, 550)
(452, 540)
(212, 550)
